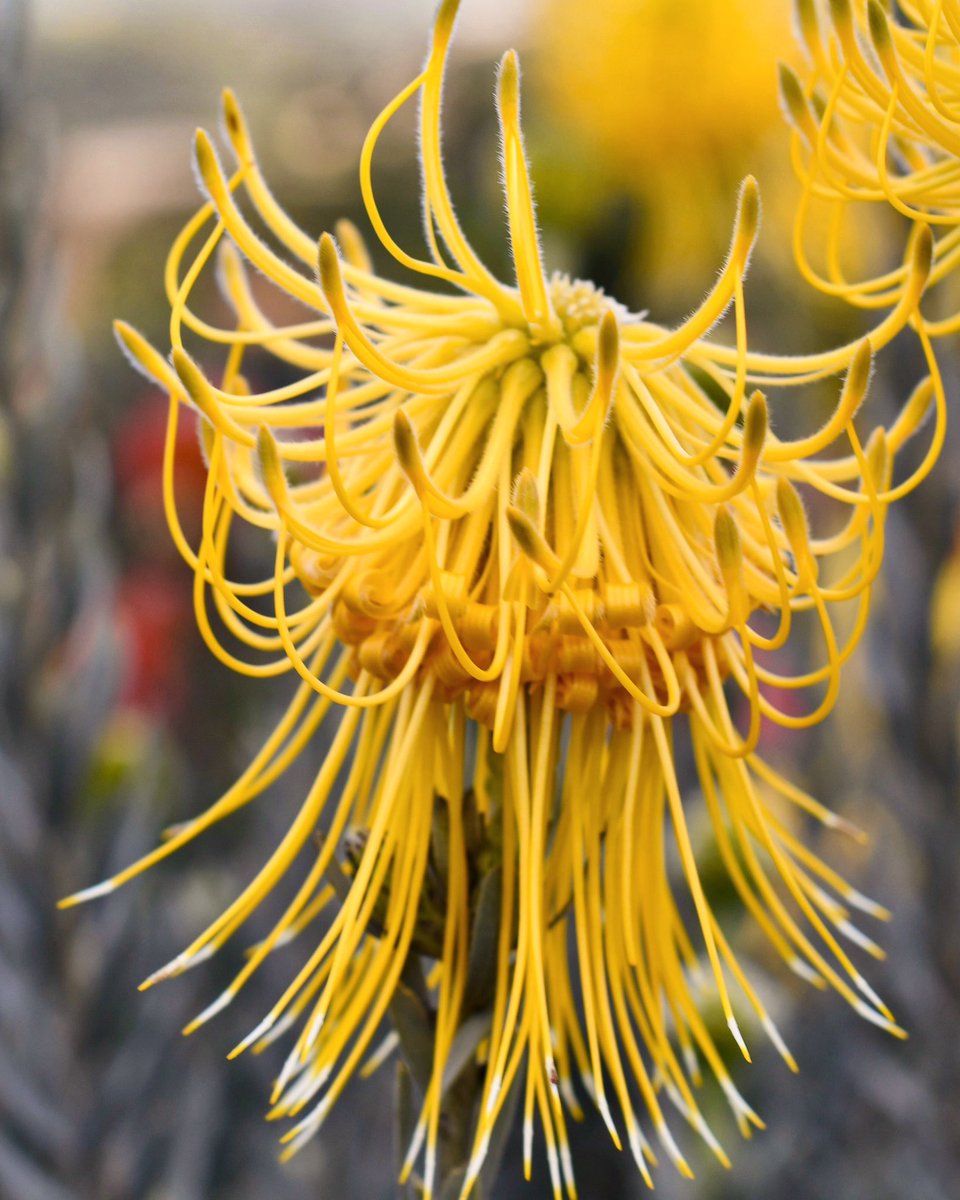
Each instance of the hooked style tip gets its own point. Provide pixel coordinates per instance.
(841, 15)
(206, 157)
(230, 262)
(879, 459)
(236, 126)
(526, 494)
(271, 465)
(879, 28)
(922, 252)
(792, 99)
(143, 357)
(531, 544)
(231, 112)
(750, 203)
(858, 377)
(520, 527)
(191, 377)
(329, 264)
(755, 424)
(726, 537)
(914, 413)
(508, 88)
(405, 443)
(806, 11)
(608, 344)
(748, 216)
(793, 516)
(125, 333)
(133, 344)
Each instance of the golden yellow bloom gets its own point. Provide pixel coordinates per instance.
(668, 104)
(520, 537)
(876, 123)
(726, 93)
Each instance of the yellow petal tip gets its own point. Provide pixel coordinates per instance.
(329, 264)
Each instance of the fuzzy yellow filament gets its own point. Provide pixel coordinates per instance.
(541, 532)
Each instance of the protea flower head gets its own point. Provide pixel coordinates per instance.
(521, 538)
(875, 125)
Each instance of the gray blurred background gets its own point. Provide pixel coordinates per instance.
(114, 721)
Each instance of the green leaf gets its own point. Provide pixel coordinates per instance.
(464, 1046)
(414, 1026)
(406, 1119)
(484, 938)
(440, 839)
(473, 831)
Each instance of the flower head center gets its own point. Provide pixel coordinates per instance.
(578, 303)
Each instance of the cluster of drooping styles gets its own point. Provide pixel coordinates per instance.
(876, 127)
(519, 536)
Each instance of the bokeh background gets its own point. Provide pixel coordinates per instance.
(641, 117)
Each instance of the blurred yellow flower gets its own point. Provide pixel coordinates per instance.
(520, 535)
(669, 104)
(876, 124)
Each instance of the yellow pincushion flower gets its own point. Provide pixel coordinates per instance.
(519, 535)
(726, 93)
(876, 124)
(668, 104)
